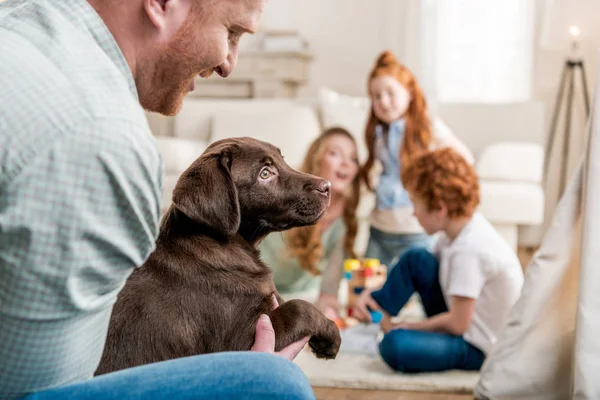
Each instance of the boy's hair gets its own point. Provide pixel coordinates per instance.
(443, 177)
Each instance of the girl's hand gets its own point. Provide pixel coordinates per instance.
(331, 314)
(328, 304)
(363, 303)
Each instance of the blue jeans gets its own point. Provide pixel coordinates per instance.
(417, 351)
(387, 247)
(231, 375)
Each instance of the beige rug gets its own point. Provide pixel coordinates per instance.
(358, 371)
(362, 371)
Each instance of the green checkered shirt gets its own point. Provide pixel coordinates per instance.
(80, 183)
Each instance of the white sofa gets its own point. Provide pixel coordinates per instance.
(506, 141)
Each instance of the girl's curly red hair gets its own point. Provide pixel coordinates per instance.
(443, 177)
(417, 136)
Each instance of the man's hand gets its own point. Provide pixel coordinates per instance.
(264, 341)
(361, 312)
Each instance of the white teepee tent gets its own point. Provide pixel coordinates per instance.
(550, 347)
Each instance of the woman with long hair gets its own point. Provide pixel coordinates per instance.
(310, 258)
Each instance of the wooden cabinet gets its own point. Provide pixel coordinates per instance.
(259, 74)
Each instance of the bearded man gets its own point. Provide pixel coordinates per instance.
(80, 188)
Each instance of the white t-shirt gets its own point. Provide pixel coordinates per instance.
(480, 264)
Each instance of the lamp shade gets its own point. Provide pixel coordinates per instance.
(565, 20)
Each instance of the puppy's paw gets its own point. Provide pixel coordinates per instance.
(326, 344)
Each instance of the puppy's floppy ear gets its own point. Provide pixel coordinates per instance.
(206, 193)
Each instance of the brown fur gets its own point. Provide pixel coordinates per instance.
(204, 287)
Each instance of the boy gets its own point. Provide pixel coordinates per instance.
(467, 285)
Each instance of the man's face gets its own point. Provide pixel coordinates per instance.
(206, 43)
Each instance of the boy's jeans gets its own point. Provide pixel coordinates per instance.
(388, 247)
(231, 375)
(416, 351)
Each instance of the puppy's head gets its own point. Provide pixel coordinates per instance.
(244, 185)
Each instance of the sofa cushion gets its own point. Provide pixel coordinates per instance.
(178, 154)
(519, 203)
(512, 161)
(483, 124)
(169, 182)
(291, 128)
(348, 112)
(194, 121)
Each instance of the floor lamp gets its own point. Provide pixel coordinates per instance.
(567, 88)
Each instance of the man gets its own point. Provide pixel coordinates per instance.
(80, 187)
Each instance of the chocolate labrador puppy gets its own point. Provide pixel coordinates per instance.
(204, 287)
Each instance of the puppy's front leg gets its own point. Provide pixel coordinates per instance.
(296, 319)
(280, 300)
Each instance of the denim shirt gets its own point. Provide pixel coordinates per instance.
(390, 192)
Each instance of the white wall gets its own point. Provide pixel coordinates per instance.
(345, 36)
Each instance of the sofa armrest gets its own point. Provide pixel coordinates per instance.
(511, 161)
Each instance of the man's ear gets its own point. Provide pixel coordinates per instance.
(167, 16)
(206, 194)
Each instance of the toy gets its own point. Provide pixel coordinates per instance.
(376, 316)
(361, 275)
(340, 323)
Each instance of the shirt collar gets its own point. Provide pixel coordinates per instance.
(81, 14)
(467, 228)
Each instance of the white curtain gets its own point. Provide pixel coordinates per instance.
(550, 348)
(477, 50)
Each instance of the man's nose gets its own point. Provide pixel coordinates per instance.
(225, 69)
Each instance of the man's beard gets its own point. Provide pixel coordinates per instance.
(166, 96)
(173, 73)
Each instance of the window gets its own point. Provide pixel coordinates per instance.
(478, 50)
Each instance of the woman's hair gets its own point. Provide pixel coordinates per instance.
(417, 135)
(443, 177)
(305, 243)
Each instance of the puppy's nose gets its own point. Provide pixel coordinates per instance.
(324, 187)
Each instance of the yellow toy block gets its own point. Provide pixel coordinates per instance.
(361, 275)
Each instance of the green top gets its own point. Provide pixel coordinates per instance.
(290, 277)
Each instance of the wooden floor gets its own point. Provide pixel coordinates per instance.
(354, 394)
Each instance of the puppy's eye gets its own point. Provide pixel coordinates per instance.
(265, 174)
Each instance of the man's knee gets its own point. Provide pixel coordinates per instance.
(287, 381)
